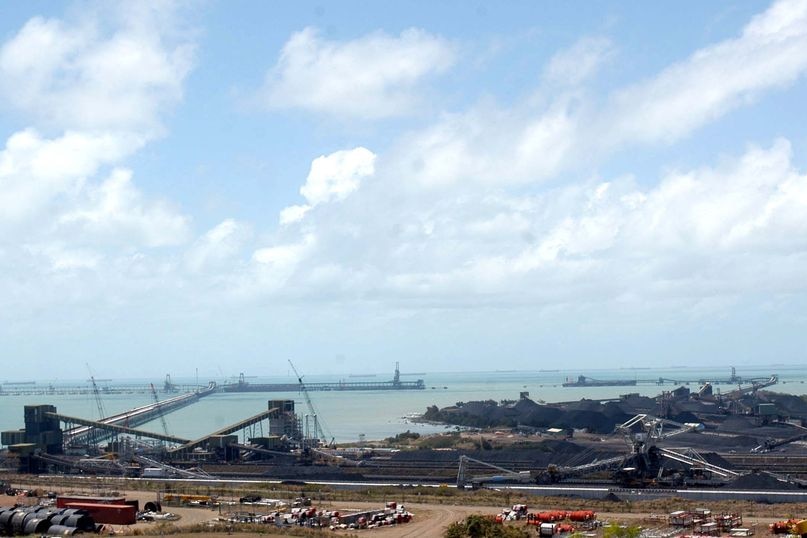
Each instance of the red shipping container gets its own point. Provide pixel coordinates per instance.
(62, 500)
(111, 514)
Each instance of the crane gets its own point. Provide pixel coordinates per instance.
(644, 443)
(319, 424)
(646, 457)
(97, 393)
(159, 408)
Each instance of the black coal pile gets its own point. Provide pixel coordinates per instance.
(549, 451)
(761, 481)
(589, 415)
(632, 404)
(788, 404)
(723, 443)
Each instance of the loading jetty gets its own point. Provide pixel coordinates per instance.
(34, 388)
(754, 383)
(395, 384)
(339, 385)
(583, 381)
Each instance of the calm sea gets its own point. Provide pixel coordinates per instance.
(347, 415)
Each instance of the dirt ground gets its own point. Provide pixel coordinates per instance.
(430, 519)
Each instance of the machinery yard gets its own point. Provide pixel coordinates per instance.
(268, 510)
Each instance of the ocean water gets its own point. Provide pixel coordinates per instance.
(380, 414)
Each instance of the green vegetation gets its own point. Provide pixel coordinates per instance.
(483, 527)
(403, 438)
(615, 530)
(449, 440)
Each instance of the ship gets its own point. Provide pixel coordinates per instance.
(583, 381)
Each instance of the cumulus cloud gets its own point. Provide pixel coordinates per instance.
(374, 76)
(218, 245)
(272, 267)
(538, 138)
(118, 213)
(714, 231)
(768, 54)
(449, 215)
(489, 145)
(331, 178)
(102, 80)
(293, 213)
(84, 75)
(34, 171)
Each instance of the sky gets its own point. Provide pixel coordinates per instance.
(222, 186)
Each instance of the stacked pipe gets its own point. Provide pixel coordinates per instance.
(44, 520)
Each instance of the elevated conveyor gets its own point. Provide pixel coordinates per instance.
(114, 428)
(246, 423)
(133, 417)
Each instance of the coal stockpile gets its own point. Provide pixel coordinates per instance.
(556, 452)
(740, 422)
(723, 443)
(285, 471)
(789, 404)
(761, 481)
(589, 415)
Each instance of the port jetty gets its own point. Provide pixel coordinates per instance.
(395, 384)
(734, 379)
(583, 381)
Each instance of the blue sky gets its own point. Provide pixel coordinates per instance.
(455, 185)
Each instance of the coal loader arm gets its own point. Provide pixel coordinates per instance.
(464, 478)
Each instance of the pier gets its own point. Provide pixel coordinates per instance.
(32, 388)
(396, 384)
(338, 386)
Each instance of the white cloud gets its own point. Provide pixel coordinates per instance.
(118, 213)
(374, 76)
(218, 246)
(579, 62)
(490, 146)
(335, 176)
(689, 236)
(82, 76)
(448, 218)
(331, 178)
(62, 258)
(272, 267)
(756, 203)
(35, 171)
(293, 213)
(770, 53)
(542, 136)
(101, 79)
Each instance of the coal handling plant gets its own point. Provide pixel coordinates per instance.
(51, 441)
(678, 443)
(745, 438)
